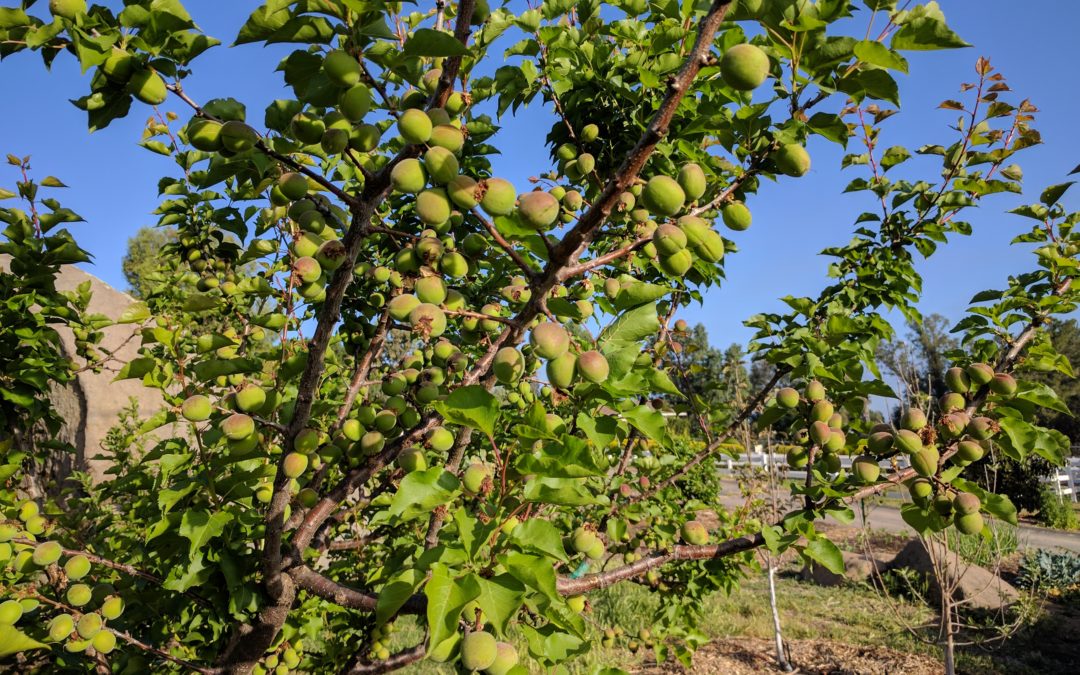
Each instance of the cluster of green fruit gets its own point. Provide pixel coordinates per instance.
(480, 651)
(823, 430)
(285, 658)
(379, 649)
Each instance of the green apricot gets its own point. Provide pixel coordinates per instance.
(478, 650)
(438, 117)
(456, 103)
(79, 594)
(508, 365)
(736, 216)
(788, 397)
(583, 539)
(67, 9)
(593, 366)
(677, 264)
(744, 67)
(355, 102)
(943, 504)
(913, 419)
(792, 160)
(969, 451)
(430, 289)
(402, 305)
(836, 441)
(334, 141)
(481, 12)
(77, 567)
(908, 441)
(147, 86)
(692, 181)
(293, 185)
(589, 133)
(60, 627)
(561, 370)
(596, 551)
(821, 411)
(957, 380)
(880, 442)
(331, 254)
(428, 319)
(454, 265)
(250, 398)
(663, 196)
(538, 209)
(971, 523)
(47, 553)
(89, 625)
(462, 191)
(982, 428)
(506, 657)
(386, 419)
(710, 247)
(307, 128)
(341, 68)
(408, 176)
(475, 477)
(372, 442)
(952, 402)
(433, 206)
(549, 340)
(967, 503)
(307, 441)
(238, 137)
(238, 427)
(196, 408)
(294, 464)
(414, 126)
(499, 197)
(448, 137)
(119, 66)
(815, 391)
(412, 459)
(365, 137)
(920, 489)
(954, 424)
(586, 163)
(694, 533)
(441, 165)
(865, 469)
(205, 135)
(797, 457)
(440, 439)
(820, 432)
(1003, 384)
(104, 642)
(980, 374)
(925, 461)
(10, 612)
(669, 239)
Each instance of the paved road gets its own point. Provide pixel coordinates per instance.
(888, 518)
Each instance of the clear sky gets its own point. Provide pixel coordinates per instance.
(113, 181)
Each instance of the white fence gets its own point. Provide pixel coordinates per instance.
(1065, 481)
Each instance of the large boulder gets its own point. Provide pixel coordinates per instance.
(91, 404)
(976, 587)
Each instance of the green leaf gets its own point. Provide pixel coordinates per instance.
(471, 406)
(500, 599)
(553, 645)
(429, 42)
(535, 572)
(877, 54)
(539, 536)
(200, 302)
(446, 597)
(827, 554)
(13, 641)
(421, 491)
(634, 295)
(916, 517)
(925, 29)
(629, 329)
(201, 526)
(1041, 395)
(397, 591)
(829, 126)
(563, 491)
(136, 312)
(1052, 194)
(570, 458)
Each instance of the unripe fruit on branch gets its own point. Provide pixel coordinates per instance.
(908, 441)
(669, 239)
(441, 165)
(589, 133)
(549, 340)
(499, 197)
(67, 9)
(293, 185)
(561, 370)
(982, 428)
(237, 427)
(969, 451)
(508, 365)
(787, 398)
(428, 319)
(971, 523)
(89, 625)
(250, 398)
(47, 553)
(77, 567)
(980, 374)
(792, 160)
(1003, 384)
(966, 503)
(920, 490)
(836, 441)
(952, 402)
(238, 137)
(880, 442)
(196, 408)
(943, 504)
(506, 657)
(694, 533)
(797, 457)
(147, 86)
(412, 459)
(440, 439)
(913, 419)
(865, 469)
(821, 411)
(334, 141)
(414, 126)
(736, 216)
(475, 478)
(676, 264)
(538, 209)
(433, 206)
(205, 135)
(925, 461)
(295, 464)
(307, 128)
(462, 191)
(341, 68)
(957, 380)
(478, 650)
(744, 67)
(104, 642)
(372, 442)
(954, 424)
(402, 305)
(355, 102)
(593, 366)
(10, 612)
(663, 196)
(692, 181)
(815, 391)
(820, 433)
(60, 627)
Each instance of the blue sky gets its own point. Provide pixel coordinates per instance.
(113, 181)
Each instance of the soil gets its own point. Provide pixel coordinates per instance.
(747, 656)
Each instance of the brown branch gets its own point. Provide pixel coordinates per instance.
(610, 257)
(399, 660)
(505, 245)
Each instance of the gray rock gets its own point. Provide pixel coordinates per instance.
(974, 586)
(858, 568)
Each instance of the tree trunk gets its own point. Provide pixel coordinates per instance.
(781, 658)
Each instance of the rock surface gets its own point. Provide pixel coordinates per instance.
(91, 404)
(976, 587)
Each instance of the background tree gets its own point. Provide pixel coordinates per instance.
(144, 266)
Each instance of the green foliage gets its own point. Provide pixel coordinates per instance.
(313, 261)
(1055, 511)
(1055, 572)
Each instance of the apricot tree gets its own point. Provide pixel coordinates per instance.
(401, 386)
